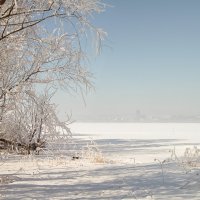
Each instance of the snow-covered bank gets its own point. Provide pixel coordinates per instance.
(139, 162)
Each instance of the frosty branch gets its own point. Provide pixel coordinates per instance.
(41, 43)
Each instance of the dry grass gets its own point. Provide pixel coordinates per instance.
(93, 153)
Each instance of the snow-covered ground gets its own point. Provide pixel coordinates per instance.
(116, 161)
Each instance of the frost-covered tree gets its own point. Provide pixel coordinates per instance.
(41, 42)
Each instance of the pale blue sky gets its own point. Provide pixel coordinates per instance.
(152, 64)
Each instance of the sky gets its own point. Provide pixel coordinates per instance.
(149, 62)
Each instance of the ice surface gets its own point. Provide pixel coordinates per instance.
(190, 131)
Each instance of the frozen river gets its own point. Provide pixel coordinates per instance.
(188, 131)
(140, 141)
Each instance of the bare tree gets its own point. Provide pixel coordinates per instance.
(32, 118)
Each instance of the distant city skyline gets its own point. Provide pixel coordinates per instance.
(149, 62)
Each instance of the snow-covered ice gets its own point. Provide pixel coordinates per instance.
(139, 162)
